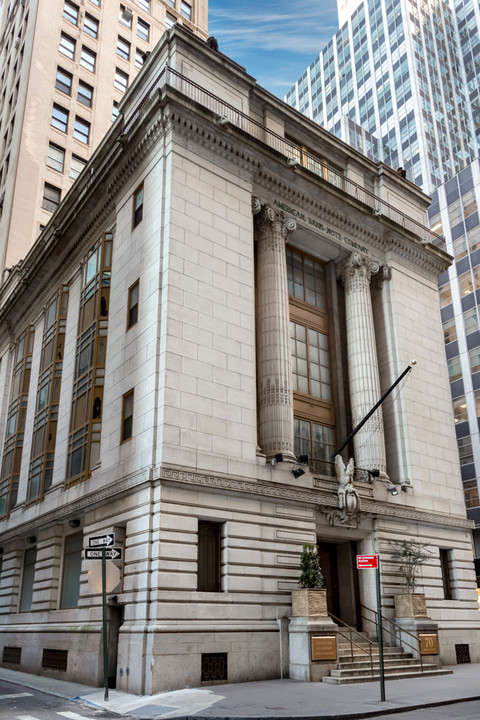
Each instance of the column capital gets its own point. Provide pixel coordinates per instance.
(266, 216)
(356, 264)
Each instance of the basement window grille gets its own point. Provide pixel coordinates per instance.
(214, 667)
(12, 655)
(463, 653)
(54, 659)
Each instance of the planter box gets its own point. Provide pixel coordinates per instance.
(309, 603)
(410, 605)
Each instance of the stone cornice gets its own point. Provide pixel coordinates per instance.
(311, 497)
(87, 501)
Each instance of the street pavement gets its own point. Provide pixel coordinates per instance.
(272, 699)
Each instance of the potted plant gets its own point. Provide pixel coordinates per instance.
(311, 599)
(411, 555)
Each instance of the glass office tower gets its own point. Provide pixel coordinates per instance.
(400, 81)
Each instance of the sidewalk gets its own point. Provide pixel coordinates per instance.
(272, 699)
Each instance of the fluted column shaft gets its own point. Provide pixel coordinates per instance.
(274, 363)
(364, 381)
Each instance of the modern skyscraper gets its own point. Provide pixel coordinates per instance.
(64, 68)
(400, 82)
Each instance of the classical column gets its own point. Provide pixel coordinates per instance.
(369, 443)
(274, 363)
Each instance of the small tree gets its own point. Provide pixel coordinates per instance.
(411, 555)
(311, 574)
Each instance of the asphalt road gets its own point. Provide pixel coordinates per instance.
(455, 711)
(22, 703)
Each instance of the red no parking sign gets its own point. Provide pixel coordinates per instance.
(367, 561)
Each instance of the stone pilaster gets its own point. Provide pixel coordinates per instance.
(274, 363)
(369, 443)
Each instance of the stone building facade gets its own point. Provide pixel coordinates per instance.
(226, 288)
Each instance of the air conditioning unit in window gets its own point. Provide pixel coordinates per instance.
(127, 14)
(16, 43)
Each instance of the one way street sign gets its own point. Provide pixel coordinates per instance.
(110, 553)
(102, 540)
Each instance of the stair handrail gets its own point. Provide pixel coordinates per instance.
(352, 642)
(415, 648)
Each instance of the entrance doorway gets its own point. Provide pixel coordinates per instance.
(337, 561)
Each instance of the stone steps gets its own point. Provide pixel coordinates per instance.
(355, 666)
(393, 675)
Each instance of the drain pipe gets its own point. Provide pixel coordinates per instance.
(279, 623)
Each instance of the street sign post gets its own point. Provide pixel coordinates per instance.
(99, 548)
(365, 562)
(114, 553)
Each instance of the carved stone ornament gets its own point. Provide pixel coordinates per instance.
(356, 263)
(348, 500)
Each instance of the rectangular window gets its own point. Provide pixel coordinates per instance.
(139, 59)
(446, 560)
(88, 59)
(144, 4)
(123, 48)
(51, 197)
(85, 94)
(56, 157)
(209, 559)
(465, 282)
(169, 21)
(72, 566)
(171, 3)
(95, 2)
(137, 206)
(465, 450)
(115, 111)
(63, 81)
(471, 320)
(449, 331)
(445, 295)
(133, 295)
(67, 46)
(76, 166)
(454, 368)
(125, 16)
(70, 12)
(143, 30)
(127, 416)
(81, 130)
(316, 441)
(90, 26)
(460, 408)
(26, 595)
(306, 279)
(310, 361)
(186, 10)
(474, 355)
(121, 80)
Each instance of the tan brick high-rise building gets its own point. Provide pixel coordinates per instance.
(64, 68)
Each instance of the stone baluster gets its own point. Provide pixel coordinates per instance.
(274, 363)
(369, 443)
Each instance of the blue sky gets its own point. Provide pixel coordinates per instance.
(274, 40)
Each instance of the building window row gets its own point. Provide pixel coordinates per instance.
(81, 127)
(88, 58)
(126, 18)
(56, 161)
(71, 12)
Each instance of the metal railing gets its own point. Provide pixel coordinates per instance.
(349, 637)
(296, 154)
(396, 634)
(325, 467)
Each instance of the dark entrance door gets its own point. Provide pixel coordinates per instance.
(328, 562)
(337, 561)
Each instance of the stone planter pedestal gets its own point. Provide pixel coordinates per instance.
(411, 615)
(301, 631)
(410, 605)
(309, 603)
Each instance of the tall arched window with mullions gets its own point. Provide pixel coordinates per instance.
(314, 417)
